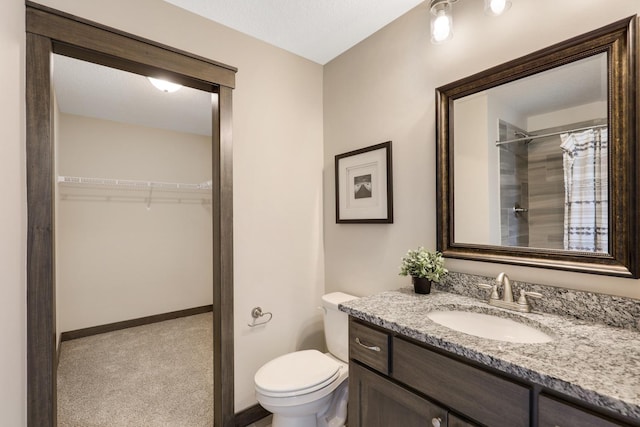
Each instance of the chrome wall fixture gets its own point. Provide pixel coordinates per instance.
(442, 16)
(257, 313)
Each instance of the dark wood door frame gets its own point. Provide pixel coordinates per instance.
(50, 31)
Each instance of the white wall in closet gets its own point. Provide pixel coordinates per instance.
(122, 254)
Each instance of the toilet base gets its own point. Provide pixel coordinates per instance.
(336, 413)
(280, 420)
(330, 411)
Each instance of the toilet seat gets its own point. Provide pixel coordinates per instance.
(296, 374)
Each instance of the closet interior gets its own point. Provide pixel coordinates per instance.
(133, 245)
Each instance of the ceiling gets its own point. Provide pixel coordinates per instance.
(318, 30)
(315, 29)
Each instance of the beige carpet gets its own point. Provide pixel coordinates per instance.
(150, 376)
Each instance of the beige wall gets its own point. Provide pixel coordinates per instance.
(277, 181)
(121, 256)
(472, 157)
(12, 217)
(383, 89)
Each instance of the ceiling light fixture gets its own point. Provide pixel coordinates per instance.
(164, 85)
(442, 16)
(496, 7)
(441, 21)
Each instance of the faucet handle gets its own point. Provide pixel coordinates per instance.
(524, 294)
(494, 289)
(536, 295)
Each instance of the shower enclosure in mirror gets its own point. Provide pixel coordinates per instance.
(537, 158)
(541, 154)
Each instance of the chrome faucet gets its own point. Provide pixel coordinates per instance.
(507, 295)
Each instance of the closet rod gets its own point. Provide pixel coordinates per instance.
(133, 184)
(530, 137)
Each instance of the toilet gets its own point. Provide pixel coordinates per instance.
(308, 388)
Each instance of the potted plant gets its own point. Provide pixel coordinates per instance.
(424, 267)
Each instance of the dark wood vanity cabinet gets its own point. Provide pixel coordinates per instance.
(378, 402)
(384, 394)
(454, 421)
(477, 394)
(394, 381)
(556, 413)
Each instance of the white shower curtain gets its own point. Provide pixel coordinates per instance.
(586, 207)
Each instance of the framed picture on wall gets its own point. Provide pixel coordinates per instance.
(364, 193)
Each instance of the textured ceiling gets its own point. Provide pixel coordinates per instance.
(318, 30)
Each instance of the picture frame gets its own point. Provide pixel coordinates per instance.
(364, 190)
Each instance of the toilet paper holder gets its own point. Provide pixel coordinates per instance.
(257, 313)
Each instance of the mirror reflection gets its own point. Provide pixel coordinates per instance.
(530, 161)
(537, 158)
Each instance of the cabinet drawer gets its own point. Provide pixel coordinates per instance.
(554, 413)
(375, 401)
(481, 396)
(455, 421)
(369, 346)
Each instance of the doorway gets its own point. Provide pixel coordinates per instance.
(133, 220)
(48, 32)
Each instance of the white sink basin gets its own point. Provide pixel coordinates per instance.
(488, 326)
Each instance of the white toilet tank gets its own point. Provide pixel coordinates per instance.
(336, 324)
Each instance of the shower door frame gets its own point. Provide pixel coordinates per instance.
(50, 31)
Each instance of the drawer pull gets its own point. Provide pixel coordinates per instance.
(368, 347)
(435, 422)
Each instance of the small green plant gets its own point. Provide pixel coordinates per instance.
(423, 264)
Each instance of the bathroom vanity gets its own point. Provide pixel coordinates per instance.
(407, 370)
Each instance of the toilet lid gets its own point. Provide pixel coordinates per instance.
(296, 373)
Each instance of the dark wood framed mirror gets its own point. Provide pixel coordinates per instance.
(537, 158)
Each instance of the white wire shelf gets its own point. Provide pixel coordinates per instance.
(129, 184)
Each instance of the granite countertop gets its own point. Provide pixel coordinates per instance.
(595, 363)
